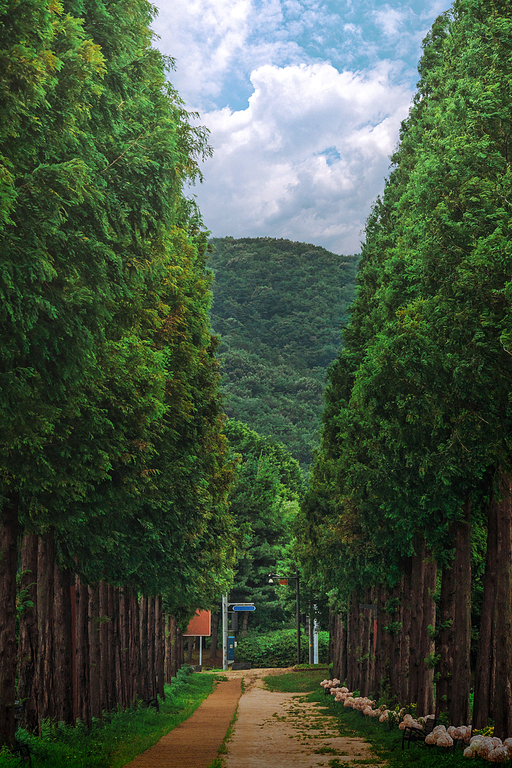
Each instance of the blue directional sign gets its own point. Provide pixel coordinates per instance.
(244, 607)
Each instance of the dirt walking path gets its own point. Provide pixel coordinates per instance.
(272, 730)
(277, 730)
(195, 742)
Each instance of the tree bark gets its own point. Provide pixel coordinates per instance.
(114, 648)
(426, 700)
(482, 704)
(104, 621)
(27, 646)
(503, 617)
(174, 647)
(180, 651)
(145, 692)
(416, 663)
(352, 640)
(45, 582)
(8, 568)
(160, 648)
(62, 647)
(94, 652)
(403, 638)
(458, 687)
(124, 655)
(82, 654)
(134, 648)
(215, 631)
(151, 648)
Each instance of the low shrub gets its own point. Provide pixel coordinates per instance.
(278, 648)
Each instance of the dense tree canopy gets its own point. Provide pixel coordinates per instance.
(264, 502)
(417, 418)
(111, 443)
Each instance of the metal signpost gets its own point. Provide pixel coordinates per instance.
(237, 608)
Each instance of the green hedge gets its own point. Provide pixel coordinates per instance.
(279, 649)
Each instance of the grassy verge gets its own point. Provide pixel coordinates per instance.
(386, 743)
(129, 732)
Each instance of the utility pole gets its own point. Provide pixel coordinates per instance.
(224, 633)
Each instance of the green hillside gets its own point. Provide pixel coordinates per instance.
(279, 307)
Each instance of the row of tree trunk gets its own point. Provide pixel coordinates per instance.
(391, 642)
(84, 650)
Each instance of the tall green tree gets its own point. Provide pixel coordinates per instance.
(264, 504)
(417, 411)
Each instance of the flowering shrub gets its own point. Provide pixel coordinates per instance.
(487, 747)
(490, 748)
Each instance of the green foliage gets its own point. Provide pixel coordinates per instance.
(279, 307)
(278, 648)
(111, 429)
(122, 735)
(264, 503)
(417, 408)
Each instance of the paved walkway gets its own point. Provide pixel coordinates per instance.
(195, 742)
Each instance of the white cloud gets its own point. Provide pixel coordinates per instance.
(205, 37)
(390, 20)
(307, 157)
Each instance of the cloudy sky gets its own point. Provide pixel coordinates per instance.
(303, 100)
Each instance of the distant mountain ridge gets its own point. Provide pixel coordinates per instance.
(279, 307)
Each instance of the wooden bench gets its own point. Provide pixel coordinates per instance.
(411, 733)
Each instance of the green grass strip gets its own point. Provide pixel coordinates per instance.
(122, 736)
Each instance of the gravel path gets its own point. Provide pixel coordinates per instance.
(272, 730)
(277, 730)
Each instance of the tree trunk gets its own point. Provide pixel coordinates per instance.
(145, 692)
(82, 654)
(124, 634)
(426, 699)
(337, 630)
(114, 648)
(62, 646)
(458, 709)
(503, 618)
(352, 639)
(45, 572)
(454, 632)
(486, 655)
(416, 663)
(104, 620)
(403, 637)
(151, 648)
(8, 568)
(27, 646)
(215, 631)
(382, 655)
(94, 652)
(180, 652)
(160, 648)
(134, 648)
(174, 647)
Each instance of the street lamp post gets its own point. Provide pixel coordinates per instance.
(271, 578)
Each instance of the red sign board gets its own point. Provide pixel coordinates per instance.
(200, 625)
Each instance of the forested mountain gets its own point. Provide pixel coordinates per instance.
(416, 462)
(279, 307)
